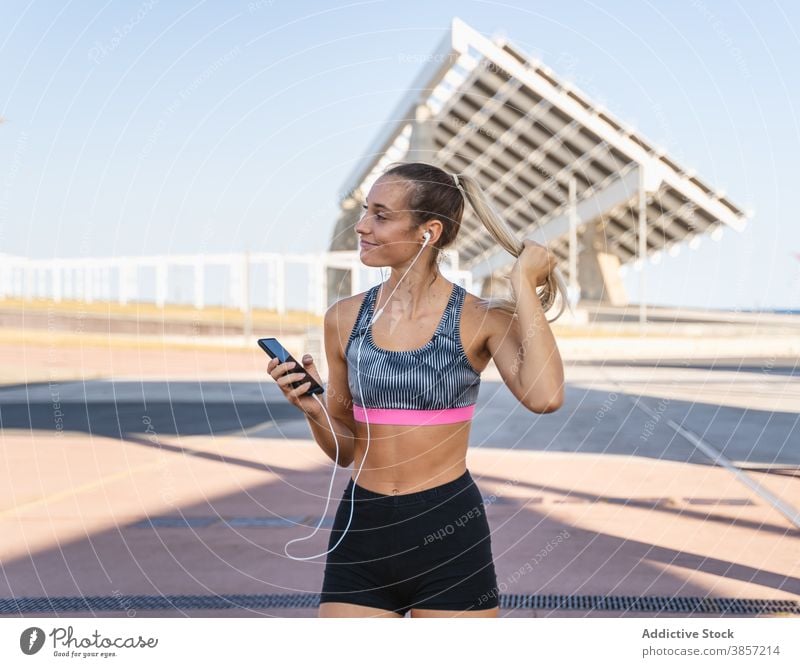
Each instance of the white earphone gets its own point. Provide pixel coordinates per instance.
(427, 237)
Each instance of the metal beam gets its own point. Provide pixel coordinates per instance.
(587, 209)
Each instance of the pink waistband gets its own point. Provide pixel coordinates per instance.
(412, 417)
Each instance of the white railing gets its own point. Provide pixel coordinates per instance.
(122, 279)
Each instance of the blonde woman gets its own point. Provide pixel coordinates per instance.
(410, 532)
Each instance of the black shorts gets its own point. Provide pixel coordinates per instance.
(428, 550)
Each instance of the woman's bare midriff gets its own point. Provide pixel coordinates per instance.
(407, 459)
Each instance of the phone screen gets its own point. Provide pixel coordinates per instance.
(275, 350)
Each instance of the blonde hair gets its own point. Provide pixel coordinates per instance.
(435, 193)
(503, 234)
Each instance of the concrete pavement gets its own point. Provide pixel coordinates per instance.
(598, 498)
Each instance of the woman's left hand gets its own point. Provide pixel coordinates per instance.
(534, 264)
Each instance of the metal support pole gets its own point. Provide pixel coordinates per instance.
(323, 284)
(642, 245)
(199, 283)
(122, 283)
(246, 305)
(41, 285)
(105, 278)
(161, 283)
(574, 289)
(269, 265)
(235, 282)
(5, 280)
(69, 282)
(87, 285)
(56, 277)
(28, 282)
(280, 285)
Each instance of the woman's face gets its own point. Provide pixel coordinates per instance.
(385, 234)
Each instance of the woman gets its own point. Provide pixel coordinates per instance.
(406, 383)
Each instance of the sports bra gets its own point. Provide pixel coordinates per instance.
(434, 384)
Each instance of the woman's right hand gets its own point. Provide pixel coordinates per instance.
(307, 403)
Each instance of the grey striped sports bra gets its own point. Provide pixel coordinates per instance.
(433, 384)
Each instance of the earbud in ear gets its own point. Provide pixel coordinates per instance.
(427, 236)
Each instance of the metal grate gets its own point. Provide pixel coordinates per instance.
(686, 605)
(654, 603)
(141, 602)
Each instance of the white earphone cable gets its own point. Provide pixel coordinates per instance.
(375, 316)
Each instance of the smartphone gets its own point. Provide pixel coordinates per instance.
(274, 349)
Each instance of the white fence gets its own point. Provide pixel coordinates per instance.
(122, 279)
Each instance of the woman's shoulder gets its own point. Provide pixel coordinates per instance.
(341, 315)
(488, 309)
(350, 304)
(481, 319)
(497, 314)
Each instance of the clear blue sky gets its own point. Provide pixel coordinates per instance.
(180, 127)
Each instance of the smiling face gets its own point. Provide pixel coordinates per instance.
(386, 230)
